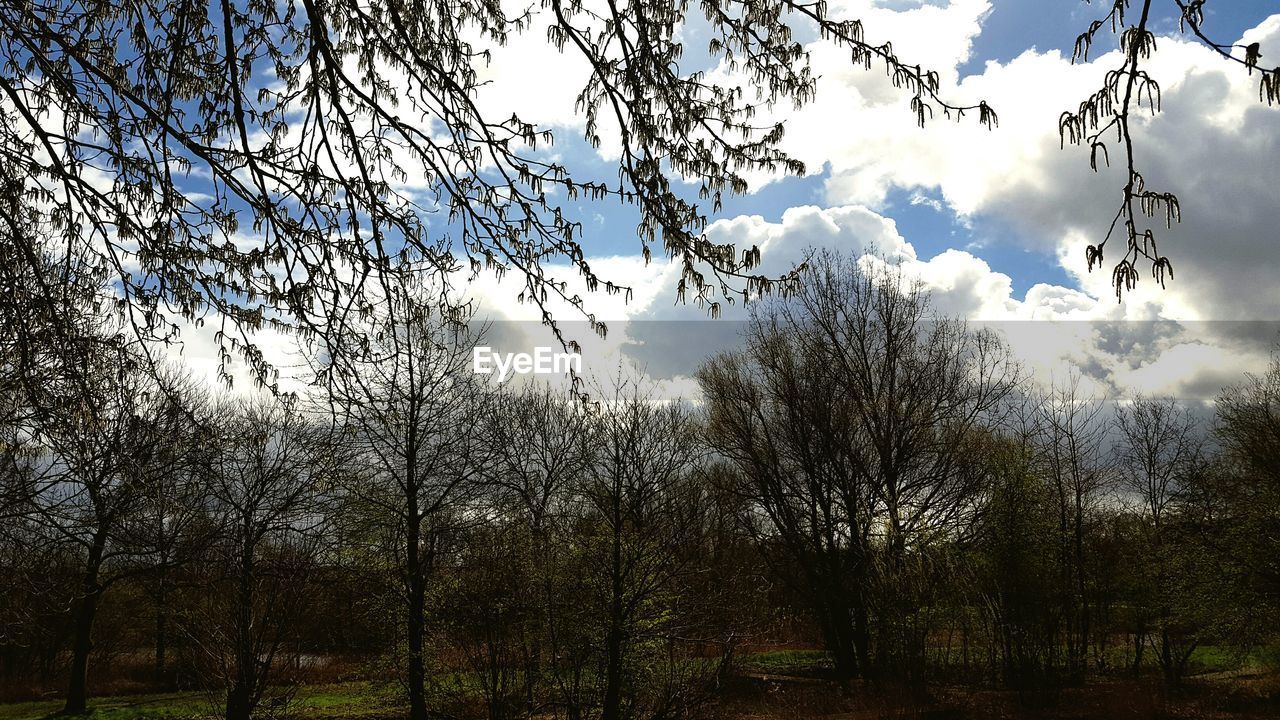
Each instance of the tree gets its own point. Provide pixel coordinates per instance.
(636, 505)
(803, 476)
(103, 456)
(407, 409)
(266, 479)
(539, 439)
(1157, 450)
(1014, 564)
(51, 311)
(1249, 424)
(175, 515)
(850, 413)
(1246, 495)
(1157, 446)
(18, 455)
(1075, 465)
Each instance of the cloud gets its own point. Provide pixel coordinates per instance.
(672, 339)
(1122, 350)
(961, 283)
(530, 77)
(1213, 144)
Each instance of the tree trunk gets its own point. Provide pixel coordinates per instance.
(612, 707)
(241, 697)
(862, 637)
(1081, 589)
(162, 629)
(238, 701)
(843, 652)
(1139, 644)
(416, 621)
(82, 642)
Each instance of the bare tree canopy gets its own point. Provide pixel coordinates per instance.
(251, 161)
(851, 417)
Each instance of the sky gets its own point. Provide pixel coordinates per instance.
(994, 222)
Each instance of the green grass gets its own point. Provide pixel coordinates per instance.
(1216, 658)
(786, 661)
(346, 701)
(164, 705)
(1205, 659)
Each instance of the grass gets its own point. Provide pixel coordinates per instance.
(377, 701)
(342, 701)
(1216, 658)
(782, 662)
(163, 705)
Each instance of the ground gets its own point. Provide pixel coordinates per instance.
(788, 685)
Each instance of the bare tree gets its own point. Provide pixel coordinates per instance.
(850, 411)
(175, 514)
(1157, 447)
(538, 436)
(266, 478)
(1245, 500)
(408, 409)
(539, 440)
(103, 455)
(1074, 461)
(804, 474)
(635, 504)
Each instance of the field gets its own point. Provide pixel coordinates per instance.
(788, 684)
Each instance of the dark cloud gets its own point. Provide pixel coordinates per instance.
(666, 349)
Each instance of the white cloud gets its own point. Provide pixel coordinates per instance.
(1121, 349)
(530, 77)
(961, 283)
(1214, 145)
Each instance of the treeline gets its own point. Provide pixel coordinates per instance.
(939, 512)
(860, 474)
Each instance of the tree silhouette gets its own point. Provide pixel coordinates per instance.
(1125, 91)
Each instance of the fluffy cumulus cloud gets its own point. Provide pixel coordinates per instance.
(670, 339)
(1213, 144)
(1056, 332)
(960, 283)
